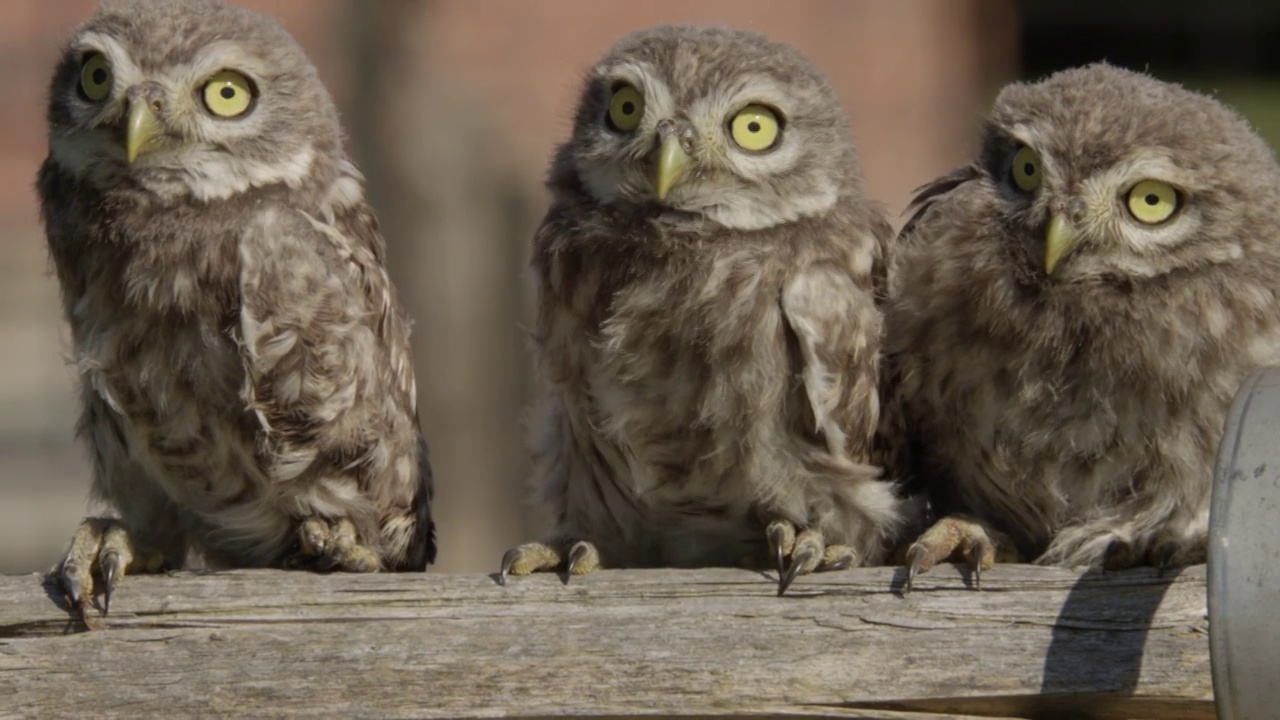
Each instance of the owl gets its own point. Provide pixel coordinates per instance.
(1071, 316)
(245, 378)
(708, 326)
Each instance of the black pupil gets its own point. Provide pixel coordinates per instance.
(1029, 169)
(753, 126)
(99, 76)
(228, 92)
(628, 107)
(1152, 199)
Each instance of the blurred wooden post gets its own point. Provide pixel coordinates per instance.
(455, 219)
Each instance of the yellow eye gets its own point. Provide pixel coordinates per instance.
(755, 128)
(1026, 169)
(626, 107)
(228, 94)
(1152, 202)
(95, 77)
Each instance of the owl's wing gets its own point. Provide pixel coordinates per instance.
(898, 447)
(836, 327)
(329, 370)
(925, 195)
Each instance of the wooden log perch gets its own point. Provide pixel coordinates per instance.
(1034, 642)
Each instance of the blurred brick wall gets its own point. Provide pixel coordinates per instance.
(454, 107)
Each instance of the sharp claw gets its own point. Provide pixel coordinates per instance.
(576, 554)
(798, 560)
(843, 563)
(71, 585)
(775, 540)
(913, 569)
(110, 562)
(508, 560)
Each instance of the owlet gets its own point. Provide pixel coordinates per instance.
(244, 364)
(708, 325)
(1072, 314)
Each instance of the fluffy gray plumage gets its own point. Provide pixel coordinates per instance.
(245, 371)
(711, 356)
(1067, 351)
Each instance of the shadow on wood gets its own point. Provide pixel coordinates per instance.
(1034, 642)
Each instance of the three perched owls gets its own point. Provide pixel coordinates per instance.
(244, 365)
(1063, 322)
(1072, 314)
(708, 324)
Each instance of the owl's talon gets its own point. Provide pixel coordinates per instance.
(326, 545)
(838, 557)
(72, 587)
(583, 558)
(978, 553)
(977, 544)
(112, 568)
(915, 561)
(101, 547)
(508, 558)
(799, 559)
(806, 556)
(545, 556)
(782, 539)
(1120, 554)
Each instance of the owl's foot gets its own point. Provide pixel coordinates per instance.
(1166, 551)
(1170, 551)
(804, 552)
(325, 544)
(978, 544)
(103, 547)
(578, 557)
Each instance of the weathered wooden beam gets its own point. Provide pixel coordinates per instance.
(1034, 642)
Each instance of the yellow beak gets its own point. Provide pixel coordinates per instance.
(142, 130)
(673, 161)
(1059, 241)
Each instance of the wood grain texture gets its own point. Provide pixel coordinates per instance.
(1035, 642)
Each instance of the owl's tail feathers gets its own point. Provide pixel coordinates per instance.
(422, 548)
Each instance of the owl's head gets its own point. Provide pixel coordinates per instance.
(1102, 173)
(188, 97)
(718, 122)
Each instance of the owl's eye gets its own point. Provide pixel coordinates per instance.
(95, 77)
(626, 107)
(1026, 169)
(754, 128)
(1152, 202)
(228, 94)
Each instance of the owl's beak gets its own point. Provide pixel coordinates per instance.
(142, 129)
(673, 161)
(1059, 241)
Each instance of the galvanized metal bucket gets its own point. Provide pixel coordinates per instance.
(1244, 555)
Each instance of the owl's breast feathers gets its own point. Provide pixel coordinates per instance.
(1051, 404)
(695, 351)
